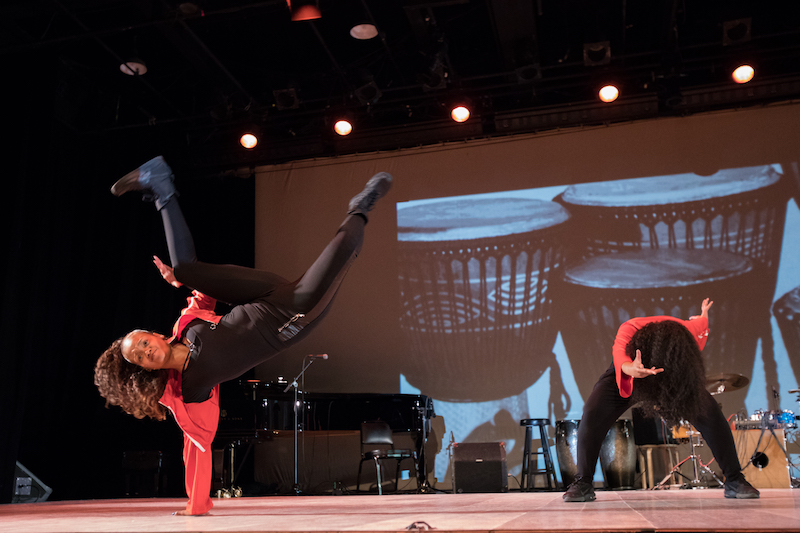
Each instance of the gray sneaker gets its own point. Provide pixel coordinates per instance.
(377, 186)
(154, 177)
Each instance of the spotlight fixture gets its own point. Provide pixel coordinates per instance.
(596, 54)
(343, 126)
(608, 93)
(743, 74)
(368, 93)
(528, 73)
(363, 31)
(735, 31)
(250, 137)
(460, 111)
(304, 9)
(286, 98)
(133, 67)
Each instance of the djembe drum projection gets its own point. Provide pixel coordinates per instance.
(475, 279)
(741, 211)
(786, 310)
(604, 291)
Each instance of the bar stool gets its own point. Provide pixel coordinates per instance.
(528, 459)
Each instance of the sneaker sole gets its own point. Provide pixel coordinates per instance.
(128, 182)
(743, 496)
(580, 499)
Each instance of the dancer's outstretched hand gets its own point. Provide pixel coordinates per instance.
(704, 307)
(166, 272)
(636, 369)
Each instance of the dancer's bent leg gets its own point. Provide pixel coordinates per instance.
(228, 283)
(321, 281)
(600, 411)
(711, 424)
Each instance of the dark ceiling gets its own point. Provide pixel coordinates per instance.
(215, 66)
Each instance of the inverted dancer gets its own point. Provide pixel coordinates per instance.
(146, 373)
(661, 356)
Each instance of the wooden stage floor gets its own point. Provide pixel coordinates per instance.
(629, 511)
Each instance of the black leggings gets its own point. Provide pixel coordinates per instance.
(238, 285)
(605, 405)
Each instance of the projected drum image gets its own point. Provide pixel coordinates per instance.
(738, 210)
(786, 310)
(475, 278)
(604, 291)
(741, 211)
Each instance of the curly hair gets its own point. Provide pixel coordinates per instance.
(129, 386)
(675, 393)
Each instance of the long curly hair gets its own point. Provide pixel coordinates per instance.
(674, 394)
(129, 386)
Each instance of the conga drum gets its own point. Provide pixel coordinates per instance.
(475, 278)
(567, 449)
(618, 456)
(617, 453)
(604, 291)
(786, 311)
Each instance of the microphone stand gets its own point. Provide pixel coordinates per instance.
(296, 486)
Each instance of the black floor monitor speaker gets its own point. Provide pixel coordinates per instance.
(480, 467)
(27, 487)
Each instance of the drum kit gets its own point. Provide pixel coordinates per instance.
(760, 419)
(685, 432)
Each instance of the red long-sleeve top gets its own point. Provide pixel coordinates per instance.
(198, 421)
(697, 326)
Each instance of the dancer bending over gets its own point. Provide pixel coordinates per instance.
(147, 373)
(662, 355)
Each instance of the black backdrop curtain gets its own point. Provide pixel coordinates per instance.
(77, 274)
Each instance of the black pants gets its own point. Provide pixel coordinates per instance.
(604, 406)
(308, 296)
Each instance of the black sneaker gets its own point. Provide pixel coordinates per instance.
(579, 491)
(377, 186)
(739, 488)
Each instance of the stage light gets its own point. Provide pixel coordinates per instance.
(736, 31)
(460, 113)
(133, 67)
(743, 74)
(343, 127)
(369, 93)
(250, 136)
(248, 140)
(608, 93)
(304, 9)
(286, 98)
(596, 54)
(364, 31)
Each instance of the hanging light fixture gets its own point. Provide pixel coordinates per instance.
(133, 67)
(343, 127)
(461, 109)
(304, 9)
(743, 73)
(250, 136)
(608, 93)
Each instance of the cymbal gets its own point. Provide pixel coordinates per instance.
(719, 383)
